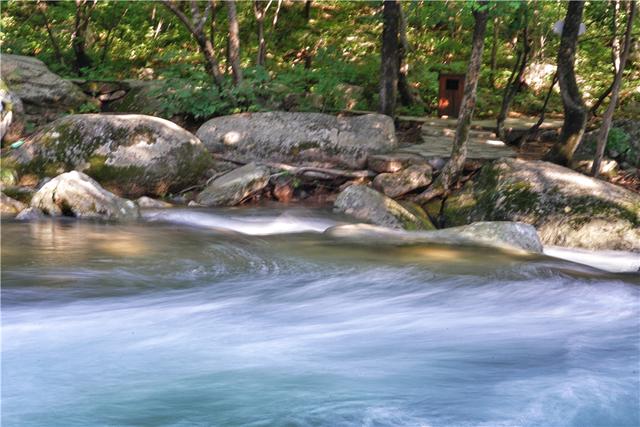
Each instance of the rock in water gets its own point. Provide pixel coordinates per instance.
(30, 214)
(369, 205)
(404, 181)
(132, 155)
(10, 206)
(40, 90)
(300, 138)
(234, 187)
(498, 234)
(567, 208)
(149, 203)
(76, 194)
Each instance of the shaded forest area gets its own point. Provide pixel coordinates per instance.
(217, 57)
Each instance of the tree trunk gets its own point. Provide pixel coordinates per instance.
(452, 170)
(494, 52)
(234, 43)
(406, 96)
(307, 10)
(533, 129)
(575, 112)
(389, 57)
(516, 80)
(603, 134)
(260, 14)
(42, 8)
(84, 8)
(195, 25)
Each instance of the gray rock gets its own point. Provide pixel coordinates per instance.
(402, 182)
(300, 138)
(132, 155)
(567, 208)
(30, 214)
(502, 234)
(76, 194)
(10, 206)
(234, 187)
(392, 162)
(369, 205)
(40, 90)
(149, 203)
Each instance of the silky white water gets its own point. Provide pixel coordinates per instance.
(186, 321)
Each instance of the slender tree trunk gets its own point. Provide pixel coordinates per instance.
(234, 43)
(307, 10)
(603, 134)
(406, 95)
(533, 129)
(195, 25)
(516, 80)
(42, 8)
(260, 14)
(575, 112)
(494, 51)
(84, 9)
(389, 57)
(453, 168)
(108, 38)
(615, 57)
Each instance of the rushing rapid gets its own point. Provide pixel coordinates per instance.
(254, 317)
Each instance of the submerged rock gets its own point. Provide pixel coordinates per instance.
(10, 206)
(300, 138)
(149, 203)
(567, 208)
(30, 214)
(76, 194)
(131, 155)
(40, 90)
(404, 181)
(367, 204)
(502, 234)
(234, 187)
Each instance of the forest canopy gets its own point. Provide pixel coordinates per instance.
(327, 50)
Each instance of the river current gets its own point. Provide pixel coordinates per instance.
(253, 317)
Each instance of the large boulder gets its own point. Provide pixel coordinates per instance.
(232, 188)
(11, 115)
(77, 195)
(41, 91)
(130, 154)
(300, 138)
(500, 234)
(567, 208)
(367, 204)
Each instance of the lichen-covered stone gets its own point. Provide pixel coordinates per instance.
(404, 181)
(40, 90)
(300, 138)
(567, 208)
(232, 188)
(76, 194)
(131, 155)
(369, 205)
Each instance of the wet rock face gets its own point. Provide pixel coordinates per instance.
(234, 187)
(300, 138)
(566, 207)
(369, 205)
(76, 194)
(40, 90)
(9, 206)
(132, 154)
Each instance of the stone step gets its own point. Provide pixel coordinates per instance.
(450, 132)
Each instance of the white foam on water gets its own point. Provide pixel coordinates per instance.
(260, 225)
(612, 261)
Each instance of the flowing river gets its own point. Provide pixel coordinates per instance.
(253, 317)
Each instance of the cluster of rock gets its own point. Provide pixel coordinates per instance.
(87, 165)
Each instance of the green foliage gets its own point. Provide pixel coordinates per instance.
(618, 141)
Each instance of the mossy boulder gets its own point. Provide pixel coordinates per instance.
(300, 138)
(367, 204)
(567, 208)
(131, 155)
(41, 91)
